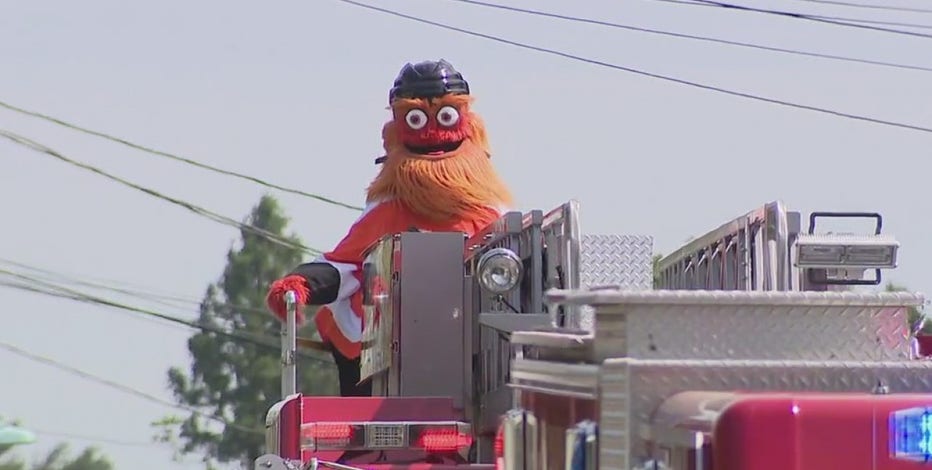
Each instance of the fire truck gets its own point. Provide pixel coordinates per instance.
(760, 345)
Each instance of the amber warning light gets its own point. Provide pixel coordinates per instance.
(430, 436)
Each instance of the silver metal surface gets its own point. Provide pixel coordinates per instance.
(430, 319)
(581, 446)
(750, 252)
(414, 309)
(532, 223)
(848, 248)
(561, 233)
(508, 231)
(274, 462)
(509, 323)
(616, 260)
(378, 305)
(647, 383)
(575, 380)
(521, 437)
(748, 324)
(289, 347)
(273, 427)
(492, 317)
(316, 464)
(611, 260)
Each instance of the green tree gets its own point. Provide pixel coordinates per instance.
(57, 459)
(234, 380)
(656, 269)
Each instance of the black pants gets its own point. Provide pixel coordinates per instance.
(348, 370)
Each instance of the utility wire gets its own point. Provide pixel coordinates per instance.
(690, 36)
(880, 22)
(103, 282)
(274, 238)
(41, 287)
(118, 386)
(803, 16)
(870, 6)
(163, 299)
(15, 284)
(177, 157)
(641, 72)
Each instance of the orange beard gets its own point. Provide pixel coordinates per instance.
(460, 183)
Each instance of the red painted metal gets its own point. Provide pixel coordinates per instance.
(377, 409)
(429, 466)
(817, 431)
(925, 344)
(354, 409)
(289, 428)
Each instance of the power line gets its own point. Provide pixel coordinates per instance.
(28, 287)
(694, 37)
(36, 286)
(870, 6)
(842, 21)
(642, 72)
(802, 16)
(39, 286)
(881, 22)
(118, 386)
(163, 299)
(177, 157)
(274, 238)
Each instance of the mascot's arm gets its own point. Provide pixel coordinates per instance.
(332, 276)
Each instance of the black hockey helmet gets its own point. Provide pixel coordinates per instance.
(428, 79)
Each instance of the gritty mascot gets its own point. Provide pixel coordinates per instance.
(436, 176)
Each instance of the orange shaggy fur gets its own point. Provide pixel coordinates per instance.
(445, 188)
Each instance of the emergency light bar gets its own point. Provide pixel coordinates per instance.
(911, 434)
(430, 436)
(846, 251)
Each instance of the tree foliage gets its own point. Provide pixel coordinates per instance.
(655, 267)
(232, 379)
(57, 459)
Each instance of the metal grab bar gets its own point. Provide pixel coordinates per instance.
(289, 349)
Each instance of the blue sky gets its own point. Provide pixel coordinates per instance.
(294, 92)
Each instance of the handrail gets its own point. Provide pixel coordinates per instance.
(289, 335)
(755, 244)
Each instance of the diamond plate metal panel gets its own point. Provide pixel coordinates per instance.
(750, 325)
(690, 297)
(618, 260)
(758, 332)
(623, 260)
(650, 382)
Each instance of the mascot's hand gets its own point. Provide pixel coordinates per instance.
(276, 297)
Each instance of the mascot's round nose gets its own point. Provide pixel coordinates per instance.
(428, 79)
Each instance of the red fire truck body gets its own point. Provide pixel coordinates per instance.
(531, 346)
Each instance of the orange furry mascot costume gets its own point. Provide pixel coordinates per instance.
(436, 176)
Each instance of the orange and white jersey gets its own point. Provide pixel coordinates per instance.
(340, 321)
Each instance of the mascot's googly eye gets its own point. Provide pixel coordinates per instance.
(448, 116)
(416, 119)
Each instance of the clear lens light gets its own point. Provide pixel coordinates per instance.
(846, 251)
(822, 254)
(499, 270)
